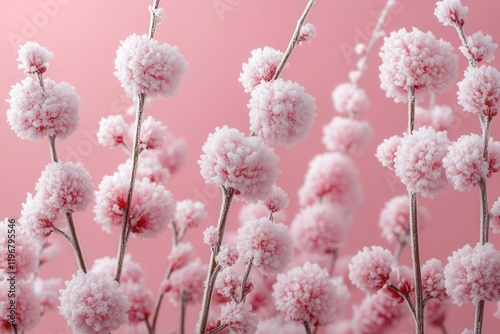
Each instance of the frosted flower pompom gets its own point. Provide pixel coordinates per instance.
(151, 210)
(153, 133)
(403, 279)
(473, 274)
(495, 216)
(347, 135)
(246, 164)
(35, 113)
(211, 236)
(386, 151)
(145, 66)
(228, 255)
(377, 314)
(26, 251)
(112, 130)
(451, 12)
(320, 228)
(418, 161)
(187, 281)
(268, 245)
(306, 34)
(27, 309)
(34, 58)
(281, 112)
(65, 187)
(435, 312)
(93, 303)
(277, 200)
(419, 60)
(47, 292)
(433, 280)
(370, 269)
(394, 220)
(172, 153)
(141, 301)
(180, 255)
(132, 272)
(227, 282)
(479, 47)
(261, 66)
(332, 177)
(439, 117)
(479, 91)
(349, 99)
(464, 162)
(189, 213)
(36, 218)
(238, 318)
(306, 294)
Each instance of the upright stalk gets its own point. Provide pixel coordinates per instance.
(227, 197)
(414, 240)
(294, 39)
(76, 243)
(135, 159)
(183, 311)
(308, 329)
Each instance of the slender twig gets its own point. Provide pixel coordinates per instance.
(443, 329)
(245, 281)
(160, 298)
(150, 330)
(183, 311)
(463, 39)
(207, 296)
(40, 80)
(333, 261)
(135, 158)
(39, 260)
(308, 329)
(153, 22)
(126, 148)
(363, 61)
(405, 297)
(52, 147)
(14, 328)
(61, 232)
(227, 197)
(270, 216)
(218, 329)
(294, 40)
(76, 243)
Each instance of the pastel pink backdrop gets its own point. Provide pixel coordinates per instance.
(84, 35)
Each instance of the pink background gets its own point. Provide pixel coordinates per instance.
(84, 35)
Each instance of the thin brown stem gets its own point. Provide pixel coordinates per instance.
(411, 110)
(227, 198)
(245, 281)
(126, 148)
(419, 305)
(363, 61)
(135, 159)
(308, 329)
(399, 250)
(76, 243)
(443, 328)
(218, 329)
(207, 297)
(294, 39)
(333, 260)
(61, 232)
(405, 297)
(463, 39)
(153, 21)
(183, 311)
(52, 147)
(150, 330)
(14, 328)
(40, 80)
(478, 317)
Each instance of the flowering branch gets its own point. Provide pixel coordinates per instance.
(294, 40)
(245, 281)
